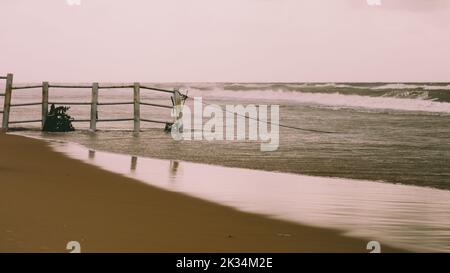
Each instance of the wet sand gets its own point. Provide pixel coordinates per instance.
(47, 200)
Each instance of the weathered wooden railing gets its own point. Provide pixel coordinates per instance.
(95, 87)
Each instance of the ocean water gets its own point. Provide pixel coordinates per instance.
(394, 133)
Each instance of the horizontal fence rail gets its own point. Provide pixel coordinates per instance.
(154, 121)
(115, 119)
(116, 103)
(70, 103)
(70, 86)
(158, 89)
(25, 104)
(116, 87)
(94, 103)
(156, 105)
(25, 121)
(26, 87)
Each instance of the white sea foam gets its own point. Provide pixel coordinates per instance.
(334, 99)
(395, 86)
(402, 86)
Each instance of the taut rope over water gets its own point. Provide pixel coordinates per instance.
(271, 123)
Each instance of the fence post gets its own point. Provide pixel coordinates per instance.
(44, 102)
(94, 106)
(7, 102)
(137, 108)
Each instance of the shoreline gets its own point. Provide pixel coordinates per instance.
(154, 143)
(42, 213)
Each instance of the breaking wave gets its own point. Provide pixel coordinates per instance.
(404, 97)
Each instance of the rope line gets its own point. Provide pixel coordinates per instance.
(272, 123)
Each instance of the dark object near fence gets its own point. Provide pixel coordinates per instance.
(57, 120)
(168, 127)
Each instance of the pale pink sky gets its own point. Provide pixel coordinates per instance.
(225, 40)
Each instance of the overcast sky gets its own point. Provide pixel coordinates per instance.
(225, 40)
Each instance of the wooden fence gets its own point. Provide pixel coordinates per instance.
(94, 103)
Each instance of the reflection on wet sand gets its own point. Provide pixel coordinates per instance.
(91, 154)
(173, 166)
(415, 218)
(133, 163)
(173, 169)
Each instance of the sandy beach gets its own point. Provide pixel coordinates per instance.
(48, 200)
